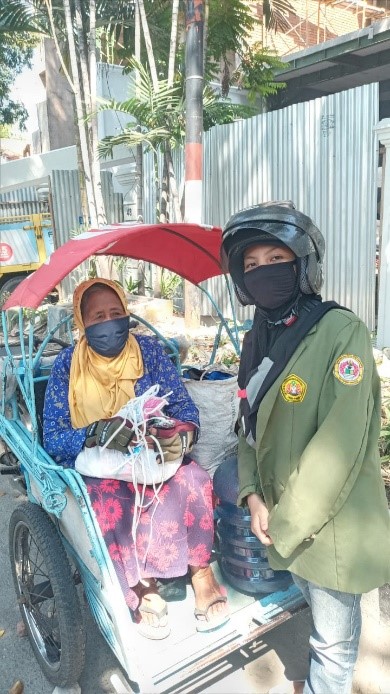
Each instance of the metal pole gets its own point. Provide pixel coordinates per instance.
(194, 111)
(194, 139)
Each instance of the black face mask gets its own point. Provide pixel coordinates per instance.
(271, 286)
(109, 337)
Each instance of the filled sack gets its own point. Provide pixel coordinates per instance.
(214, 391)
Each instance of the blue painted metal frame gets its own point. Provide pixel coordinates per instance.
(47, 484)
(51, 486)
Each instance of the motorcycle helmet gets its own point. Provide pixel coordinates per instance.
(277, 223)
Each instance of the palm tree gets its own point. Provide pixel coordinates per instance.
(156, 120)
(72, 27)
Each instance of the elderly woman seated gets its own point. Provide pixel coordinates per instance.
(88, 384)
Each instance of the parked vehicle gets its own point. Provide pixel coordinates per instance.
(25, 243)
(55, 544)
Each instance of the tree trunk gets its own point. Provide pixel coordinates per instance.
(164, 198)
(169, 191)
(80, 167)
(172, 185)
(205, 30)
(155, 270)
(93, 123)
(84, 86)
(148, 43)
(173, 42)
(80, 116)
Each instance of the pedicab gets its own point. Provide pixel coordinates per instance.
(57, 551)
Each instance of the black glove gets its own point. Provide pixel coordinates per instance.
(98, 433)
(90, 438)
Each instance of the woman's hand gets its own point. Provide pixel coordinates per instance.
(115, 431)
(175, 441)
(259, 518)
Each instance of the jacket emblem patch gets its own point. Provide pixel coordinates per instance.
(293, 388)
(348, 369)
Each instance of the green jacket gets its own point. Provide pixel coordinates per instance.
(316, 461)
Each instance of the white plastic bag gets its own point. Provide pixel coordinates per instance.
(140, 465)
(218, 403)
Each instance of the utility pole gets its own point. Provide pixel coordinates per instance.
(194, 139)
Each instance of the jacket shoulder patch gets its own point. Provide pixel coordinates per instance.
(293, 388)
(348, 369)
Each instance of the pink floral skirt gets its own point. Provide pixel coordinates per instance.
(174, 531)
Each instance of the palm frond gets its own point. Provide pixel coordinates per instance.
(131, 137)
(24, 16)
(151, 108)
(276, 13)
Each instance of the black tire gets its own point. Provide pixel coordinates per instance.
(8, 287)
(47, 595)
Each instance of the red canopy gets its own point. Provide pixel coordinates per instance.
(190, 250)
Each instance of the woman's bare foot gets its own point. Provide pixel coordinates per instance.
(152, 608)
(210, 599)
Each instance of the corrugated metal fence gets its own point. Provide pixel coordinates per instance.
(65, 193)
(65, 201)
(18, 203)
(65, 207)
(322, 155)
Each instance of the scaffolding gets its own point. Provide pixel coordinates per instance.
(311, 22)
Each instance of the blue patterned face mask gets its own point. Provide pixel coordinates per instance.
(109, 337)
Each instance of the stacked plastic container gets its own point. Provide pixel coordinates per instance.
(241, 556)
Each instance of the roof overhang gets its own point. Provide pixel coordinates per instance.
(348, 61)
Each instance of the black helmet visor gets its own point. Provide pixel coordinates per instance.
(292, 236)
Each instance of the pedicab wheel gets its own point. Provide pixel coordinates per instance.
(47, 595)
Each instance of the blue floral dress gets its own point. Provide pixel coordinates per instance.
(174, 531)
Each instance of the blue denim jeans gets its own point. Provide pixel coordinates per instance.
(334, 640)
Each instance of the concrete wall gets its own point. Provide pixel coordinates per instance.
(59, 103)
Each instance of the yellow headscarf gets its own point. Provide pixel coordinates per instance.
(99, 386)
